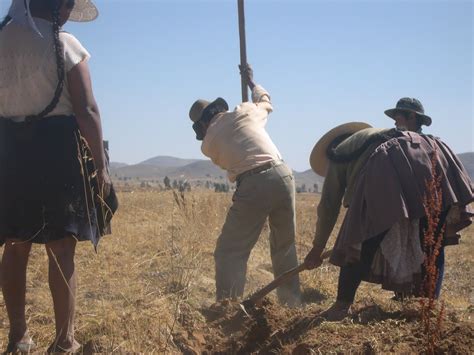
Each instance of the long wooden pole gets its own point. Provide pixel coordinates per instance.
(243, 48)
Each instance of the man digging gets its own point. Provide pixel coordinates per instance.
(238, 142)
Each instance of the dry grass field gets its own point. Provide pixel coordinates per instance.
(150, 288)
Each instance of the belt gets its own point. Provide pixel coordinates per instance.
(259, 169)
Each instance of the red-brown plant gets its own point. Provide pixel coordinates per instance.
(432, 244)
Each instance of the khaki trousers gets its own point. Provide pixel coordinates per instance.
(271, 194)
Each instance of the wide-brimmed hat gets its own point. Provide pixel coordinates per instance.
(318, 159)
(408, 104)
(201, 108)
(19, 12)
(83, 11)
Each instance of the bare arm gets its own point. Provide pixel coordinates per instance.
(87, 114)
(328, 211)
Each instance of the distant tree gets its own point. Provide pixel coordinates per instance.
(175, 184)
(184, 186)
(166, 181)
(316, 188)
(208, 184)
(221, 187)
(303, 188)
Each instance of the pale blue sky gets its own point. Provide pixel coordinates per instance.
(324, 62)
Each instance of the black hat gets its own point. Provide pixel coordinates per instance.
(202, 108)
(407, 104)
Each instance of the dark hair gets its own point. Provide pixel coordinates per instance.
(5, 22)
(418, 118)
(218, 106)
(419, 122)
(53, 6)
(346, 158)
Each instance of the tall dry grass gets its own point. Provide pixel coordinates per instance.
(151, 278)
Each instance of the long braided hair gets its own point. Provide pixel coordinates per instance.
(54, 6)
(5, 22)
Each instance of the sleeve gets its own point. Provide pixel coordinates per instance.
(74, 52)
(330, 203)
(261, 98)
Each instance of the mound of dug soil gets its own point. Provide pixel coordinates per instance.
(271, 328)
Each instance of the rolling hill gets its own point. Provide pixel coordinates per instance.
(164, 161)
(193, 170)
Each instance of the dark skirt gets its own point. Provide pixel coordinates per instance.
(48, 184)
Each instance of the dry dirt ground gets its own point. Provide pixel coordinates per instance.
(150, 289)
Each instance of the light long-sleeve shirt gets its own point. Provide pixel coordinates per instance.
(340, 182)
(237, 140)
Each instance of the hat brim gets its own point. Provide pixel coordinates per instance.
(318, 159)
(83, 11)
(393, 111)
(219, 103)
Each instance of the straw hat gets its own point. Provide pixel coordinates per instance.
(84, 11)
(19, 13)
(318, 160)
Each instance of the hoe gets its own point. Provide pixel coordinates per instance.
(255, 298)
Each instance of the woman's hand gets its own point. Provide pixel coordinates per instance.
(105, 183)
(313, 259)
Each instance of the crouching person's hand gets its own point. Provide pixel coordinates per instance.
(313, 259)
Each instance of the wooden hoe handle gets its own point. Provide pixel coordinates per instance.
(279, 281)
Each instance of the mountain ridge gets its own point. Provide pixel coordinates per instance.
(193, 170)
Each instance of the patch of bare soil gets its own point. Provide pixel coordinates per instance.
(270, 328)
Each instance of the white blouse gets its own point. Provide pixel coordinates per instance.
(237, 141)
(28, 70)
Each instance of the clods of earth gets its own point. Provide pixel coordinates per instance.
(225, 328)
